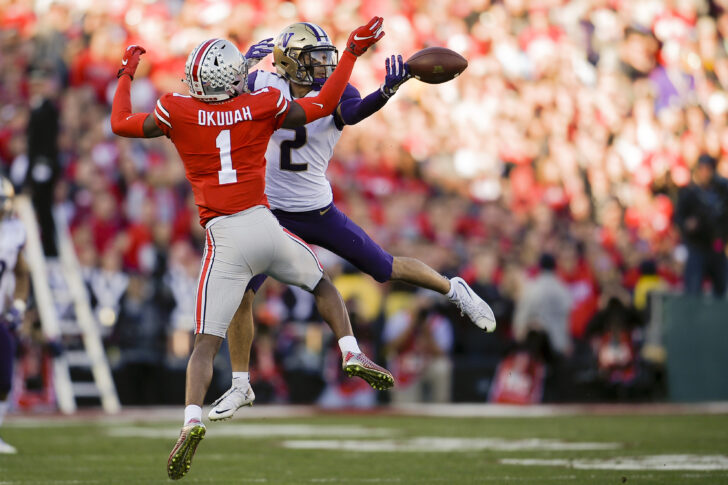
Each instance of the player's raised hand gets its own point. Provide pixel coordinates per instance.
(397, 74)
(259, 51)
(365, 36)
(130, 60)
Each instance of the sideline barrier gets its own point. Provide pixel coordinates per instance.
(694, 333)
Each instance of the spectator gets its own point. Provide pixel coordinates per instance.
(181, 280)
(418, 342)
(648, 282)
(615, 336)
(108, 284)
(521, 375)
(576, 273)
(545, 305)
(702, 215)
(141, 338)
(43, 163)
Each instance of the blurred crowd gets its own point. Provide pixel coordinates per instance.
(563, 175)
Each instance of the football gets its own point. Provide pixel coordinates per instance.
(435, 65)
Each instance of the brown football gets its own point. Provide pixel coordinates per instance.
(435, 65)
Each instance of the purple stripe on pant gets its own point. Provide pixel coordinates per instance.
(333, 230)
(7, 356)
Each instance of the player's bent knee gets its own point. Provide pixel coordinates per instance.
(382, 273)
(312, 280)
(207, 344)
(248, 297)
(382, 277)
(381, 268)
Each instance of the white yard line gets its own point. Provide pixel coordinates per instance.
(633, 463)
(443, 444)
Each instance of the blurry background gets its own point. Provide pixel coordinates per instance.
(571, 170)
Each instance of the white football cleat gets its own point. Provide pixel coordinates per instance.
(7, 449)
(472, 305)
(233, 399)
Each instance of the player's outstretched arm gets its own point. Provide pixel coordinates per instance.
(306, 110)
(352, 110)
(123, 122)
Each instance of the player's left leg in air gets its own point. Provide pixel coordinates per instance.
(331, 229)
(334, 231)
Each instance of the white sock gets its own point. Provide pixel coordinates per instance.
(4, 405)
(193, 411)
(241, 379)
(349, 344)
(451, 291)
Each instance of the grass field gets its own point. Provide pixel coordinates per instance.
(373, 448)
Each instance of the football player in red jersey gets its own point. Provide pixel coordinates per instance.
(221, 132)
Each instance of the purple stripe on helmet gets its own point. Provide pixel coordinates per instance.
(318, 31)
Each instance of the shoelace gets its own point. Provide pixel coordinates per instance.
(362, 358)
(460, 306)
(367, 362)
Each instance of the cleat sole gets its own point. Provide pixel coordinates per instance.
(378, 380)
(180, 461)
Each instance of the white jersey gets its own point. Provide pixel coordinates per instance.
(295, 178)
(12, 240)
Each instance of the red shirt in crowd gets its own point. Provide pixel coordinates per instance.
(584, 297)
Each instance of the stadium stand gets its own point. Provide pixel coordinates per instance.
(572, 132)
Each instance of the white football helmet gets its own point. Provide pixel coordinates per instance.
(7, 193)
(304, 54)
(215, 71)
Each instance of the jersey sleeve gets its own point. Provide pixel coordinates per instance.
(269, 103)
(162, 116)
(251, 80)
(350, 93)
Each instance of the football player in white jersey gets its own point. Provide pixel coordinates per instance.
(14, 288)
(301, 198)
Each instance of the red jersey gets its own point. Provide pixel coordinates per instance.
(222, 146)
(519, 379)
